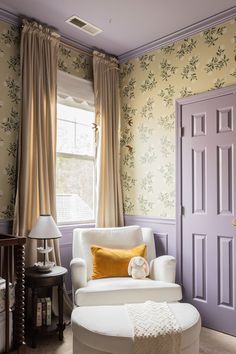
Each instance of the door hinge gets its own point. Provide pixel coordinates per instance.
(182, 210)
(182, 131)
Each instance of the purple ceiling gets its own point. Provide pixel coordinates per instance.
(126, 24)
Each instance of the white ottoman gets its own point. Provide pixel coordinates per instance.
(107, 329)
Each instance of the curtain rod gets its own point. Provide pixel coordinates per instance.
(76, 48)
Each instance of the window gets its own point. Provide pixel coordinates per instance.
(75, 159)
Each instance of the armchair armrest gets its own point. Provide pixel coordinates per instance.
(163, 268)
(78, 273)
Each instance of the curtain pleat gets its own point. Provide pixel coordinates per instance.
(36, 176)
(109, 211)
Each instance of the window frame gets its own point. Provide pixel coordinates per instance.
(84, 157)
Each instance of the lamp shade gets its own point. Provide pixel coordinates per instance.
(45, 228)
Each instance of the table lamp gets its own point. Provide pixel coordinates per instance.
(44, 229)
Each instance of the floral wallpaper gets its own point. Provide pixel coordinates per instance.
(75, 63)
(71, 61)
(150, 84)
(9, 115)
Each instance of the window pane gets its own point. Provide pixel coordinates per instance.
(75, 189)
(65, 136)
(75, 131)
(84, 140)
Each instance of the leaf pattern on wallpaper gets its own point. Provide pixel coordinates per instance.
(233, 73)
(167, 146)
(167, 172)
(149, 156)
(128, 114)
(145, 204)
(128, 205)
(61, 66)
(145, 132)
(64, 52)
(190, 70)
(126, 137)
(14, 63)
(147, 182)
(169, 49)
(146, 60)
(167, 122)
(167, 199)
(185, 91)
(128, 156)
(11, 124)
(217, 62)
(73, 62)
(213, 34)
(10, 36)
(127, 181)
(80, 62)
(218, 83)
(12, 149)
(13, 89)
(167, 69)
(149, 83)
(126, 70)
(10, 171)
(186, 47)
(167, 95)
(147, 109)
(128, 90)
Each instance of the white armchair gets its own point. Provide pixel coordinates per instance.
(160, 286)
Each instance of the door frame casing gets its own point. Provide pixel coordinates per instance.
(179, 103)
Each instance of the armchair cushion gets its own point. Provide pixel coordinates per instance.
(113, 262)
(118, 291)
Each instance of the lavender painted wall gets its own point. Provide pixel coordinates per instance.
(163, 229)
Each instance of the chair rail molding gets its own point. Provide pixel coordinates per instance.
(164, 230)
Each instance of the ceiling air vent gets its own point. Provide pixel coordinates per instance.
(83, 25)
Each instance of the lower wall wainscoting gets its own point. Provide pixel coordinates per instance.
(164, 232)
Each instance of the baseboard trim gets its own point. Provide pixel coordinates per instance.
(148, 219)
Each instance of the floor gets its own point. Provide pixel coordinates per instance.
(211, 342)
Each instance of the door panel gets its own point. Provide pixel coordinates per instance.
(208, 198)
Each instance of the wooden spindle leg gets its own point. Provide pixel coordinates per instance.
(20, 296)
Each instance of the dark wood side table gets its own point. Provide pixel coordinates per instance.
(35, 280)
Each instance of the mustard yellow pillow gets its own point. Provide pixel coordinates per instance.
(109, 262)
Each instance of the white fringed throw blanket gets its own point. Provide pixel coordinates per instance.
(156, 330)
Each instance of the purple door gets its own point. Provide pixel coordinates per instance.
(209, 208)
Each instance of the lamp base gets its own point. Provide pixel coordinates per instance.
(44, 267)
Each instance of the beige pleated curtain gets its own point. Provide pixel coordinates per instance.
(36, 192)
(107, 109)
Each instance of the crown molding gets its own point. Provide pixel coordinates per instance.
(181, 34)
(16, 20)
(9, 17)
(197, 27)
